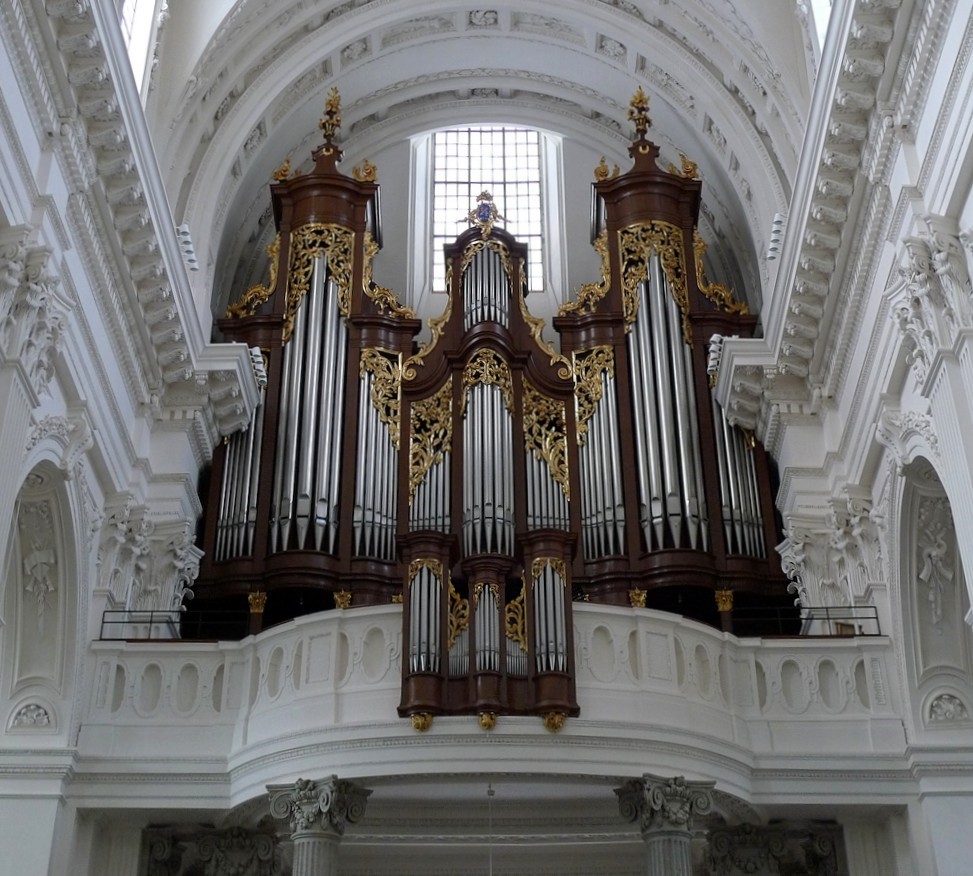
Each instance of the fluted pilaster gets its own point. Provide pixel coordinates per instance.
(664, 810)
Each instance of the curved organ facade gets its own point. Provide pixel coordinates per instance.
(478, 472)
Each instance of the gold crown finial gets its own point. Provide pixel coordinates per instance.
(331, 120)
(638, 112)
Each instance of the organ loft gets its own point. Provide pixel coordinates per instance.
(471, 469)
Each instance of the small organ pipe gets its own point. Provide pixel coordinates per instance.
(722, 465)
(697, 451)
(283, 415)
(258, 430)
(615, 463)
(296, 349)
(358, 522)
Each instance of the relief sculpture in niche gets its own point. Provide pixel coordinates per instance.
(935, 559)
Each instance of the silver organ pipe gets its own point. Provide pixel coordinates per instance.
(547, 506)
(425, 601)
(375, 489)
(486, 621)
(486, 290)
(740, 502)
(306, 477)
(665, 422)
(550, 639)
(431, 507)
(488, 514)
(602, 510)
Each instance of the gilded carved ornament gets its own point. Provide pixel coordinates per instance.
(459, 616)
(638, 112)
(636, 598)
(602, 172)
(545, 434)
(258, 294)
(430, 563)
(478, 588)
(636, 244)
(331, 120)
(588, 367)
(591, 293)
(539, 564)
(384, 299)
(365, 172)
(515, 620)
(536, 327)
(386, 384)
(719, 294)
(431, 427)
(687, 169)
(257, 600)
(488, 368)
(307, 243)
(342, 599)
(436, 327)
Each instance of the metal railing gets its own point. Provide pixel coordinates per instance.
(173, 625)
(829, 621)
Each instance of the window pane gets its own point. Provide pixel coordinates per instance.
(502, 161)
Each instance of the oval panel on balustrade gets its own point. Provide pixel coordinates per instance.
(602, 653)
(829, 686)
(634, 656)
(217, 692)
(861, 685)
(374, 655)
(149, 689)
(793, 687)
(274, 668)
(704, 671)
(118, 688)
(761, 675)
(680, 662)
(297, 665)
(342, 659)
(187, 689)
(726, 678)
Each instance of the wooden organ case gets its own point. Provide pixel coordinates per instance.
(484, 478)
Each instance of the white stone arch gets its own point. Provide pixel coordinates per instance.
(931, 600)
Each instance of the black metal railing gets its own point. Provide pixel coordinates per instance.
(827, 621)
(173, 625)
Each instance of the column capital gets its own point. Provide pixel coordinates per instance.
(325, 807)
(658, 803)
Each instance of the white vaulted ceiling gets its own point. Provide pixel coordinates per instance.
(240, 86)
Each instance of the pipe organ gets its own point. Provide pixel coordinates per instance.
(485, 478)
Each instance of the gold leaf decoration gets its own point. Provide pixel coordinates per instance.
(386, 384)
(591, 293)
(687, 169)
(258, 294)
(459, 616)
(636, 243)
(478, 246)
(436, 328)
(515, 620)
(431, 424)
(588, 366)
(383, 298)
(535, 326)
(487, 367)
(719, 294)
(307, 243)
(365, 172)
(545, 434)
(539, 564)
(480, 586)
(430, 563)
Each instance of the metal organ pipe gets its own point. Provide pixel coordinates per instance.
(487, 623)
(486, 290)
(550, 642)
(424, 629)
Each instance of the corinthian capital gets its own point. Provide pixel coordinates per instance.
(327, 806)
(664, 804)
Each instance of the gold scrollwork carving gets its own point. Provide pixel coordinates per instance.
(258, 294)
(636, 244)
(487, 367)
(421, 721)
(687, 169)
(602, 172)
(477, 246)
(588, 367)
(386, 382)
(430, 563)
(545, 434)
(480, 586)
(431, 425)
(719, 294)
(436, 327)
(536, 327)
(308, 242)
(383, 298)
(591, 293)
(365, 172)
(539, 564)
(459, 616)
(515, 620)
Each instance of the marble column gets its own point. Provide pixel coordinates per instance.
(318, 813)
(664, 810)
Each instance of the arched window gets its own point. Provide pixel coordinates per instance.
(138, 19)
(520, 167)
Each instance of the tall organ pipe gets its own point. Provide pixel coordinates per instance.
(660, 343)
(487, 623)
(424, 628)
(550, 642)
(328, 480)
